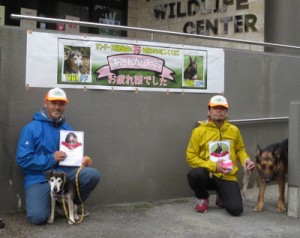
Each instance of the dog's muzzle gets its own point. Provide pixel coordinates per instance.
(267, 179)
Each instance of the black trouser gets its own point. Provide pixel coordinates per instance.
(229, 191)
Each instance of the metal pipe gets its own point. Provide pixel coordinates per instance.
(128, 28)
(269, 119)
(260, 119)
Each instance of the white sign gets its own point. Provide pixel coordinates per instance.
(219, 150)
(74, 61)
(72, 142)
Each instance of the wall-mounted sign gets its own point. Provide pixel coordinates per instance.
(233, 18)
(107, 63)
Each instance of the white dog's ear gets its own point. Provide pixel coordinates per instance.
(48, 174)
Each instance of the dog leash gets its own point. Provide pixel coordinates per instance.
(78, 193)
(87, 161)
(246, 179)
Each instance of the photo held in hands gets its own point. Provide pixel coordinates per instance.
(72, 143)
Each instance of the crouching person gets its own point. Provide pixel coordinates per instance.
(38, 151)
(213, 151)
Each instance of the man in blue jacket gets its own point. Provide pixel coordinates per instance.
(38, 151)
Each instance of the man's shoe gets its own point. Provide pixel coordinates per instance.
(79, 211)
(201, 205)
(219, 202)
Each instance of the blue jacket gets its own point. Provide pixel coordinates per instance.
(38, 141)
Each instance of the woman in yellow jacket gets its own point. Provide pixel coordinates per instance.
(214, 148)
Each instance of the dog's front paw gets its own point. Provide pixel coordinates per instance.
(71, 222)
(258, 207)
(50, 220)
(281, 208)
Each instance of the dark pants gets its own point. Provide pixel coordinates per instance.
(229, 191)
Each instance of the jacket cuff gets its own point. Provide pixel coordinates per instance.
(52, 160)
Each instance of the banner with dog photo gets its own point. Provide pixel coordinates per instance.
(122, 64)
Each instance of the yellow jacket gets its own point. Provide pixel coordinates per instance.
(197, 153)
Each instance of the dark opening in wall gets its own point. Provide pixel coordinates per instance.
(98, 11)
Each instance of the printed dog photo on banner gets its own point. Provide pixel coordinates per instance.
(76, 64)
(195, 68)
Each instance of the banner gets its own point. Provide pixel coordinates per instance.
(73, 61)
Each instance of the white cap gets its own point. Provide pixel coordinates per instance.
(218, 100)
(56, 94)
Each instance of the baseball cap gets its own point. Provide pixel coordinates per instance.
(218, 100)
(56, 94)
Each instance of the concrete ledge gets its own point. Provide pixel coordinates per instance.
(293, 201)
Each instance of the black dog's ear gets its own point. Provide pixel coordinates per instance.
(258, 153)
(258, 150)
(277, 152)
(48, 174)
(69, 51)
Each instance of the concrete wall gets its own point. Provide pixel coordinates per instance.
(144, 14)
(138, 140)
(281, 24)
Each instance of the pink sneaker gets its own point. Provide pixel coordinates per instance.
(201, 205)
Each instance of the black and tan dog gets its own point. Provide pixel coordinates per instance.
(272, 164)
(73, 63)
(63, 192)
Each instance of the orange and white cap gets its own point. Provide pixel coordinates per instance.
(56, 94)
(218, 100)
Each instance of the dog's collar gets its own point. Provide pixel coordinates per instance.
(61, 193)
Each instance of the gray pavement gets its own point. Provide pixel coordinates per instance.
(168, 218)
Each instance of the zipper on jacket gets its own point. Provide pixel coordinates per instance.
(220, 139)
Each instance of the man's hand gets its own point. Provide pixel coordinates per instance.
(59, 155)
(250, 166)
(221, 168)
